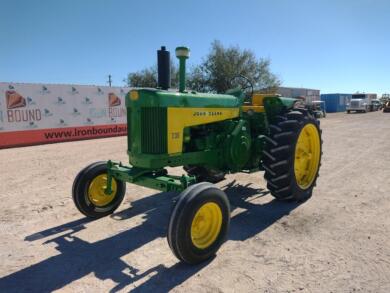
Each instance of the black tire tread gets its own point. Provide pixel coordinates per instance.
(80, 184)
(187, 204)
(278, 155)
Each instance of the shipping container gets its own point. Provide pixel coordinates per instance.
(336, 102)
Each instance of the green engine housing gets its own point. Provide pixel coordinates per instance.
(167, 128)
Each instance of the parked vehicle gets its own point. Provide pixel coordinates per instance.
(361, 103)
(376, 105)
(317, 108)
(384, 99)
(210, 135)
(386, 107)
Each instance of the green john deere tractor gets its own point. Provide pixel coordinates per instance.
(210, 135)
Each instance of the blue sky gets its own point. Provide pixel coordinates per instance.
(335, 46)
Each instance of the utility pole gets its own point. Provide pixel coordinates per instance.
(109, 80)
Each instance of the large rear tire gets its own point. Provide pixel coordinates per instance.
(199, 223)
(292, 155)
(88, 191)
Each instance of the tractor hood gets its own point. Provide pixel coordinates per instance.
(145, 97)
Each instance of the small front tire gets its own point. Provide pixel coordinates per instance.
(88, 191)
(199, 223)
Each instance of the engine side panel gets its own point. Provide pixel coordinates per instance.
(180, 118)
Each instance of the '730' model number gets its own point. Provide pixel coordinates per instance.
(175, 135)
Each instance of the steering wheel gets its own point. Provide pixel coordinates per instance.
(244, 86)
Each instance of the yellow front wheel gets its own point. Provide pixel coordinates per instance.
(206, 225)
(199, 223)
(89, 191)
(97, 190)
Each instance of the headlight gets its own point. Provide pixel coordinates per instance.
(134, 95)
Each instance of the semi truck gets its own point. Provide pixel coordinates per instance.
(361, 103)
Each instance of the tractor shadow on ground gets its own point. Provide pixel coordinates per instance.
(78, 258)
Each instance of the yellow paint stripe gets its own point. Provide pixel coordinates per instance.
(257, 109)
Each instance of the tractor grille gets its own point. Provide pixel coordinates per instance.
(154, 130)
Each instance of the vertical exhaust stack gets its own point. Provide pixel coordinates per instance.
(163, 69)
(182, 53)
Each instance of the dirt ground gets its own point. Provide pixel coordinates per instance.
(339, 241)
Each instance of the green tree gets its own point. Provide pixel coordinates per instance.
(143, 78)
(218, 70)
(216, 73)
(148, 77)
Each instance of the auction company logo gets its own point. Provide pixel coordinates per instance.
(86, 101)
(44, 90)
(60, 101)
(88, 121)
(75, 112)
(16, 111)
(113, 106)
(47, 113)
(62, 123)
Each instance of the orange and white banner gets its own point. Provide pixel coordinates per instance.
(37, 113)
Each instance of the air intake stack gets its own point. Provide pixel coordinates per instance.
(182, 53)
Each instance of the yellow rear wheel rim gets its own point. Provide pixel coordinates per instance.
(96, 191)
(307, 156)
(206, 225)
